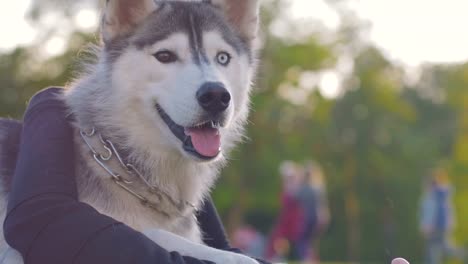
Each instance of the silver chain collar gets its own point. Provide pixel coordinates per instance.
(127, 184)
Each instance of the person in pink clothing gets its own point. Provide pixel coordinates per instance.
(291, 217)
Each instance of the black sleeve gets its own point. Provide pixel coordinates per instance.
(45, 222)
(213, 231)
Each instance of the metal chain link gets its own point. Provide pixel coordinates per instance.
(126, 184)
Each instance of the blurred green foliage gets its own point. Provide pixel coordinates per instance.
(376, 142)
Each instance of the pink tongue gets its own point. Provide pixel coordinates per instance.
(206, 141)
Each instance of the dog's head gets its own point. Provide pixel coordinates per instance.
(181, 71)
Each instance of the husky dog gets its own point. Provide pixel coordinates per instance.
(157, 114)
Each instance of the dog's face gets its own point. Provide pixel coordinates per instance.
(182, 70)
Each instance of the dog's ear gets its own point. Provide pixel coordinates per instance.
(242, 14)
(121, 16)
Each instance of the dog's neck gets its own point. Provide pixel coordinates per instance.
(127, 176)
(150, 177)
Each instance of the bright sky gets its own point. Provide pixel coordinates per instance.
(416, 31)
(16, 31)
(411, 31)
(13, 29)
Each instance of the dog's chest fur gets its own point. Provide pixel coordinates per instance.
(96, 187)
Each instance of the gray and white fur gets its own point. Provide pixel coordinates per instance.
(120, 95)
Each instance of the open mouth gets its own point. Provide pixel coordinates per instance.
(202, 140)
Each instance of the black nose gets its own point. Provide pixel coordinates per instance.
(213, 97)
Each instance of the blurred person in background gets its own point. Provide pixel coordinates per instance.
(312, 197)
(249, 240)
(290, 221)
(437, 219)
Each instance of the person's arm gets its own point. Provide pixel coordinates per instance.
(45, 222)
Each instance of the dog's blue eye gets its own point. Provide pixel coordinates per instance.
(223, 58)
(165, 56)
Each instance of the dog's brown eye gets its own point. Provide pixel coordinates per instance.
(223, 58)
(165, 56)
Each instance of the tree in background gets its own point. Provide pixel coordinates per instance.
(376, 140)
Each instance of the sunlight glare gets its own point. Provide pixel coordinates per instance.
(55, 46)
(87, 19)
(330, 84)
